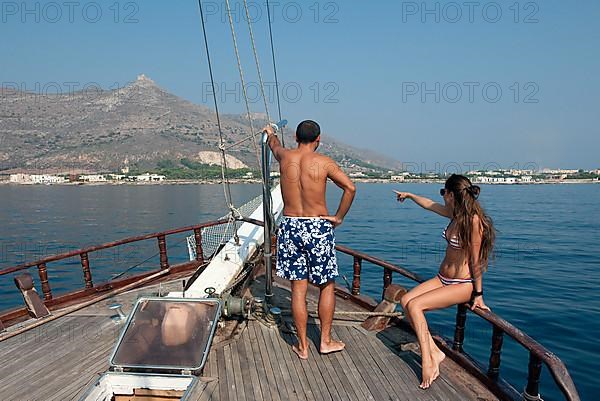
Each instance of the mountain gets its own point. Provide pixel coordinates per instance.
(138, 126)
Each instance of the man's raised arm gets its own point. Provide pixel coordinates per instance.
(274, 142)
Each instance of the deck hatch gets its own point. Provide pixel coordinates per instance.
(165, 334)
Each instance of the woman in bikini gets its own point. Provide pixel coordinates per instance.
(470, 237)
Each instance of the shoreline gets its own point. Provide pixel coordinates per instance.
(255, 181)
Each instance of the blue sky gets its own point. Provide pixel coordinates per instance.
(440, 86)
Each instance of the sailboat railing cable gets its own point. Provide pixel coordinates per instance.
(260, 78)
(275, 70)
(224, 169)
(243, 82)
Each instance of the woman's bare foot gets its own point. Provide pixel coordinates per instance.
(428, 376)
(331, 346)
(302, 354)
(437, 357)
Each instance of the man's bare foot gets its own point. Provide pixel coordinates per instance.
(437, 357)
(428, 373)
(302, 354)
(331, 346)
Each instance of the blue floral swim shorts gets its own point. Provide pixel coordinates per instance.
(306, 250)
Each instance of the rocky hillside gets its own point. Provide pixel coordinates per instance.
(136, 126)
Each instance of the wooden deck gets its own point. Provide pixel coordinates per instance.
(58, 360)
(371, 368)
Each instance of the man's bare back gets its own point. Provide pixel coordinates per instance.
(303, 182)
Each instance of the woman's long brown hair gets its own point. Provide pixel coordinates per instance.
(466, 206)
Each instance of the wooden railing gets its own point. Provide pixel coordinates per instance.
(84, 255)
(490, 376)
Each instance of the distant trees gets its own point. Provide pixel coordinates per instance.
(186, 169)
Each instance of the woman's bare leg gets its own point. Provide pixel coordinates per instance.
(437, 354)
(436, 299)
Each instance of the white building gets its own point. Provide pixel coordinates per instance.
(36, 179)
(93, 178)
(20, 179)
(398, 178)
(147, 177)
(496, 180)
(526, 179)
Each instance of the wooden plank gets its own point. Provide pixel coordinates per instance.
(406, 381)
(231, 385)
(320, 365)
(365, 365)
(267, 354)
(278, 352)
(295, 364)
(442, 387)
(252, 347)
(222, 369)
(356, 381)
(214, 372)
(51, 371)
(248, 362)
(208, 391)
(339, 381)
(313, 376)
(383, 368)
(238, 374)
(271, 383)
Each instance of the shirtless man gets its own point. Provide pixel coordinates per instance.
(306, 240)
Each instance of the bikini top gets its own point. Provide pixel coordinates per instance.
(453, 240)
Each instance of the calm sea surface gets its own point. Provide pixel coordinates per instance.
(545, 279)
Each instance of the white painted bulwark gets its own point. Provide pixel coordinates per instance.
(229, 262)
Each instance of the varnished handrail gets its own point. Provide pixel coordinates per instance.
(557, 368)
(78, 252)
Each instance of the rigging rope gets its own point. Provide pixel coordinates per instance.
(224, 170)
(239, 62)
(262, 85)
(275, 70)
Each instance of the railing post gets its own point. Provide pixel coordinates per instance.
(199, 249)
(497, 339)
(43, 272)
(387, 280)
(87, 274)
(459, 331)
(532, 391)
(162, 247)
(356, 278)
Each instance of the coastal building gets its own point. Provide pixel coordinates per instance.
(36, 179)
(93, 178)
(398, 178)
(495, 180)
(117, 177)
(526, 179)
(147, 177)
(559, 172)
